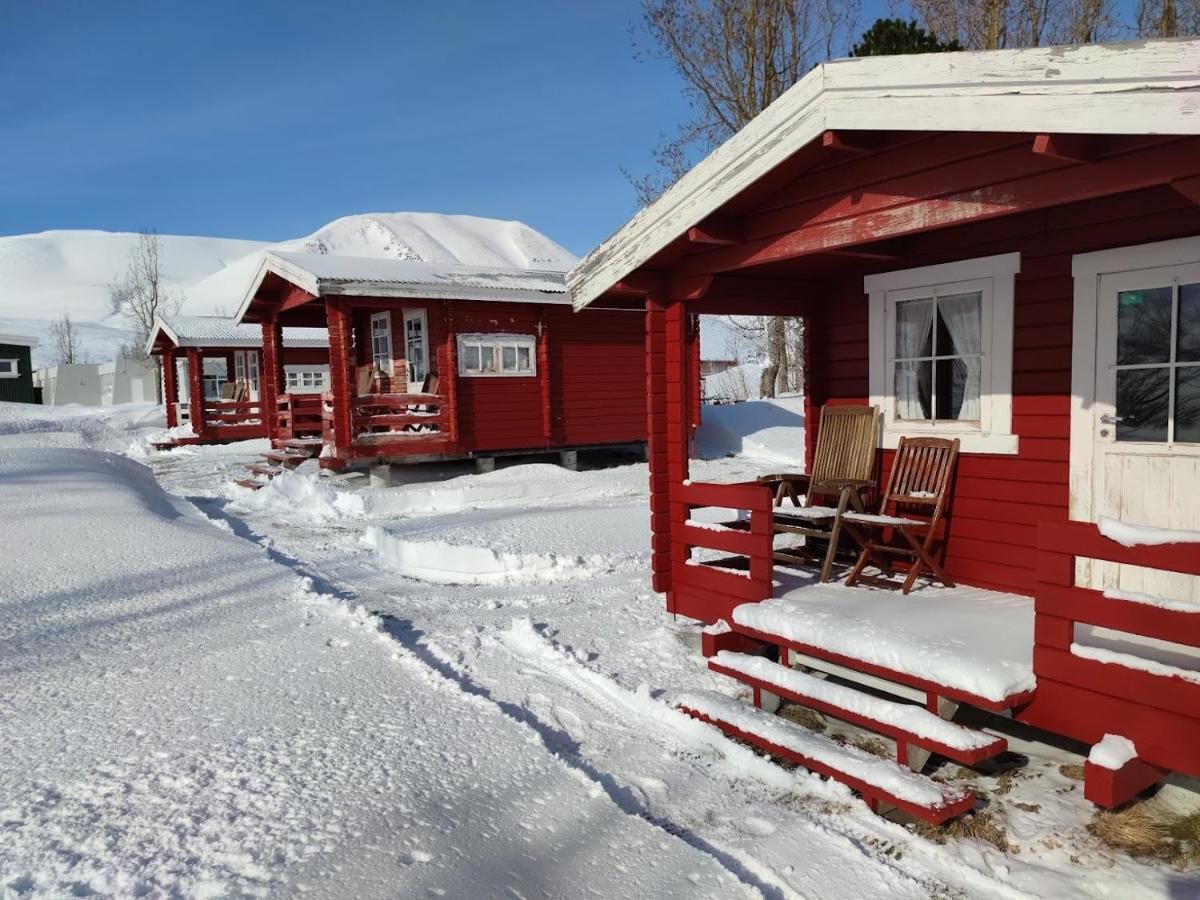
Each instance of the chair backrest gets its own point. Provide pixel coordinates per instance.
(846, 444)
(920, 474)
(241, 391)
(430, 385)
(227, 390)
(366, 379)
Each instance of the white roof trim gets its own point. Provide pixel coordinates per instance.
(291, 268)
(1145, 87)
(19, 340)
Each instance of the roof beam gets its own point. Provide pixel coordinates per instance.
(895, 216)
(642, 282)
(1080, 148)
(294, 297)
(719, 232)
(855, 143)
(1188, 187)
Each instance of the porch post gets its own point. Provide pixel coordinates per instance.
(270, 377)
(340, 323)
(543, 364)
(692, 379)
(170, 388)
(448, 381)
(814, 382)
(195, 358)
(666, 430)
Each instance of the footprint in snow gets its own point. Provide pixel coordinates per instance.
(760, 827)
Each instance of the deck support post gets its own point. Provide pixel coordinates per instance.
(170, 387)
(195, 358)
(340, 382)
(271, 378)
(485, 464)
(569, 459)
(380, 476)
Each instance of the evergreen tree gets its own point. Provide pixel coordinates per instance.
(892, 37)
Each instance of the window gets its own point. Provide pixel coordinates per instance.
(381, 341)
(10, 368)
(416, 348)
(213, 384)
(497, 354)
(941, 352)
(306, 380)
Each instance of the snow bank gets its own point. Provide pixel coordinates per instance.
(128, 427)
(1144, 535)
(1113, 752)
(768, 430)
(302, 493)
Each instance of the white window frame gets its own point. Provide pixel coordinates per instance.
(498, 342)
(416, 315)
(991, 276)
(16, 368)
(317, 375)
(386, 318)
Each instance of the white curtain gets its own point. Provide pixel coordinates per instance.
(962, 314)
(914, 320)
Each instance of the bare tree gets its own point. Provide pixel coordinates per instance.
(66, 340)
(735, 58)
(996, 24)
(140, 295)
(1168, 18)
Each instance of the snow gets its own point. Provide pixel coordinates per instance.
(1144, 535)
(872, 519)
(771, 431)
(1133, 661)
(913, 719)
(1150, 600)
(970, 639)
(1112, 752)
(881, 773)
(207, 690)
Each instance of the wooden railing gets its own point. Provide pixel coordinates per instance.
(395, 417)
(1085, 693)
(232, 413)
(299, 415)
(709, 589)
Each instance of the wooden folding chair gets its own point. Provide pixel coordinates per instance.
(917, 486)
(368, 380)
(843, 467)
(228, 389)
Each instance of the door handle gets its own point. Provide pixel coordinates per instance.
(1111, 420)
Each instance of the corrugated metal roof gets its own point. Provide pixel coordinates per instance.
(222, 331)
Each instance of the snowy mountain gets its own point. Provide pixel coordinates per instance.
(43, 274)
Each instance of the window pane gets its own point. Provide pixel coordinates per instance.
(1142, 396)
(957, 389)
(914, 328)
(508, 359)
(1189, 323)
(1144, 326)
(959, 325)
(8, 366)
(487, 357)
(913, 390)
(1187, 404)
(471, 357)
(523, 359)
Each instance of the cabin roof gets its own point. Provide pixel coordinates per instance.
(357, 276)
(1135, 88)
(19, 340)
(222, 331)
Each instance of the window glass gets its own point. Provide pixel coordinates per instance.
(1142, 399)
(8, 366)
(939, 358)
(508, 358)
(1187, 404)
(523, 359)
(487, 359)
(1144, 326)
(471, 357)
(1189, 323)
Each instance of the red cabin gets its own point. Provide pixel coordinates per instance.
(212, 378)
(1002, 248)
(440, 361)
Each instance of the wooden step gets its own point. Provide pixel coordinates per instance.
(310, 445)
(878, 780)
(285, 457)
(248, 483)
(268, 471)
(904, 723)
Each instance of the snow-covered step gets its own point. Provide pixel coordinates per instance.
(285, 457)
(265, 471)
(903, 722)
(879, 780)
(248, 483)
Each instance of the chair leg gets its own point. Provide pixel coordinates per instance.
(834, 534)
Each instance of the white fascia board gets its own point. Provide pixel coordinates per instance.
(439, 292)
(285, 269)
(19, 340)
(1148, 87)
(160, 326)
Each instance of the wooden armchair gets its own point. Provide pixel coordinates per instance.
(843, 468)
(912, 507)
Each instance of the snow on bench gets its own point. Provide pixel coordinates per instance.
(708, 526)
(893, 717)
(1151, 600)
(861, 770)
(872, 519)
(805, 512)
(1132, 661)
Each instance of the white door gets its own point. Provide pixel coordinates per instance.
(1146, 417)
(416, 347)
(252, 373)
(381, 341)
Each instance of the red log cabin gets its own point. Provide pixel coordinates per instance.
(1001, 248)
(212, 378)
(440, 361)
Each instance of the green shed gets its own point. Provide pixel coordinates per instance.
(16, 368)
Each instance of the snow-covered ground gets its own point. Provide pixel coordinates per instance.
(458, 686)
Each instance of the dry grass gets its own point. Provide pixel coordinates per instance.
(872, 745)
(1146, 832)
(1072, 771)
(1029, 807)
(804, 717)
(980, 826)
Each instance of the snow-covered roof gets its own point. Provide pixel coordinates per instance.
(1145, 87)
(357, 276)
(20, 340)
(222, 331)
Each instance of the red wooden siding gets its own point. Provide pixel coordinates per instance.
(998, 500)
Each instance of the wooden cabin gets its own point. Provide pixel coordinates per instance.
(1001, 248)
(440, 361)
(16, 369)
(212, 383)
